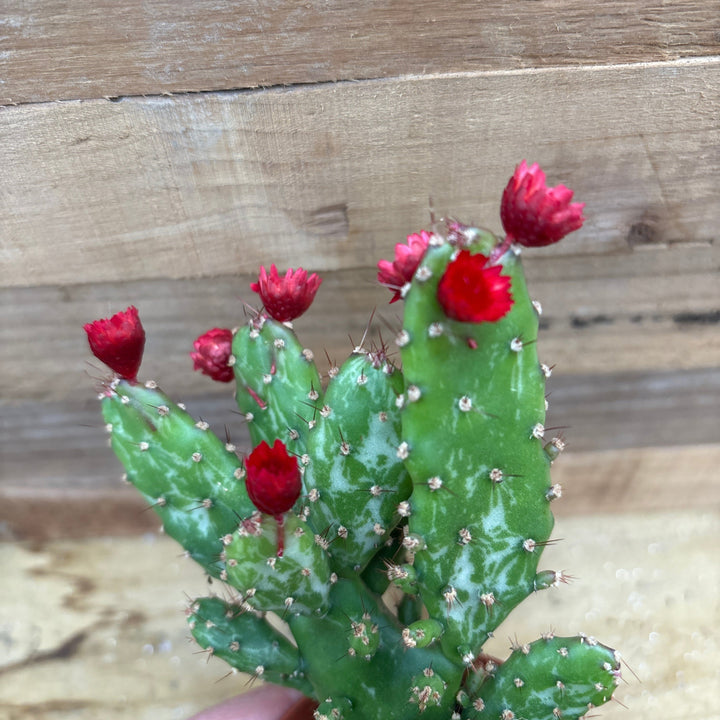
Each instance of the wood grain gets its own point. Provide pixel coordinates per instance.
(635, 440)
(331, 176)
(633, 480)
(637, 310)
(82, 49)
(95, 629)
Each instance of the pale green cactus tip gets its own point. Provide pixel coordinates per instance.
(391, 514)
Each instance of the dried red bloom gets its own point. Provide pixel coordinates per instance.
(472, 291)
(273, 478)
(212, 353)
(118, 341)
(407, 258)
(535, 215)
(286, 298)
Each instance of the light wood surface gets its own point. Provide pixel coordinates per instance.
(629, 311)
(95, 629)
(84, 49)
(331, 176)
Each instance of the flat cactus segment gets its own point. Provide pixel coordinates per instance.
(278, 385)
(355, 473)
(183, 469)
(246, 642)
(548, 679)
(334, 708)
(297, 582)
(389, 684)
(472, 431)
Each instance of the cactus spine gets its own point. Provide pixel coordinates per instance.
(432, 476)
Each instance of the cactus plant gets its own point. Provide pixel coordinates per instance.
(392, 516)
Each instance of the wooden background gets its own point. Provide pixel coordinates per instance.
(157, 152)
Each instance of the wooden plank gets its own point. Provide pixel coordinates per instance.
(633, 440)
(332, 176)
(82, 49)
(633, 480)
(632, 311)
(95, 629)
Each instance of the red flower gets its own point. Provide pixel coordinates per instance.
(119, 342)
(273, 478)
(535, 215)
(472, 291)
(286, 298)
(407, 258)
(212, 352)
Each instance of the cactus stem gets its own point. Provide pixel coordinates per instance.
(280, 520)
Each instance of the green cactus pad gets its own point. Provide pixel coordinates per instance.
(384, 686)
(246, 642)
(472, 428)
(334, 708)
(297, 582)
(278, 385)
(422, 633)
(355, 476)
(548, 679)
(182, 469)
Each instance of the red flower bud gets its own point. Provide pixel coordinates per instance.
(407, 258)
(472, 291)
(119, 342)
(212, 352)
(286, 298)
(535, 215)
(273, 478)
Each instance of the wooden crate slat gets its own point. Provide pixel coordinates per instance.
(633, 438)
(332, 176)
(82, 49)
(610, 481)
(646, 310)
